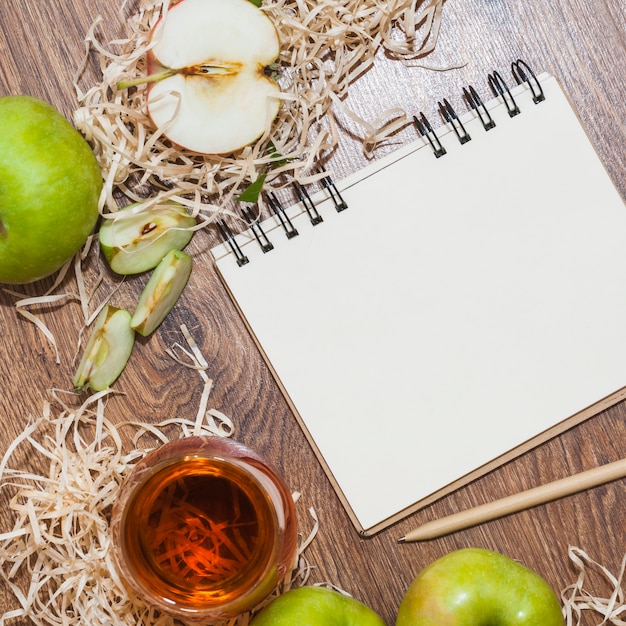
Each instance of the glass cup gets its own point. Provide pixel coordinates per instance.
(204, 529)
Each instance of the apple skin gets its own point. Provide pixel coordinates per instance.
(50, 183)
(477, 587)
(316, 606)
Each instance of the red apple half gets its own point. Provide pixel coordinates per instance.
(211, 91)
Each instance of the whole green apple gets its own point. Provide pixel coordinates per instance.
(477, 587)
(50, 183)
(316, 606)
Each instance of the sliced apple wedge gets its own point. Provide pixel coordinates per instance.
(134, 242)
(161, 292)
(211, 88)
(107, 350)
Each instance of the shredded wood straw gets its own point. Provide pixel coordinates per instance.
(325, 46)
(84, 294)
(578, 598)
(56, 558)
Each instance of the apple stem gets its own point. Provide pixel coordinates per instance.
(151, 78)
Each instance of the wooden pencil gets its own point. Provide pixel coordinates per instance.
(518, 502)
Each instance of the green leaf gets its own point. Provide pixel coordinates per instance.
(251, 192)
(277, 159)
(257, 3)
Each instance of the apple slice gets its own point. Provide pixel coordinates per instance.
(161, 292)
(134, 242)
(107, 350)
(211, 88)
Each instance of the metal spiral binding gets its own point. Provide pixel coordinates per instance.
(476, 104)
(500, 88)
(281, 214)
(257, 230)
(450, 116)
(309, 205)
(339, 202)
(231, 242)
(522, 74)
(426, 130)
(519, 69)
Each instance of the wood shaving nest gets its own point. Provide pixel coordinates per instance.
(325, 46)
(56, 558)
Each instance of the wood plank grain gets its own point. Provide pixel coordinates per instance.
(41, 46)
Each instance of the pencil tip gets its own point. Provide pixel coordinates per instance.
(402, 540)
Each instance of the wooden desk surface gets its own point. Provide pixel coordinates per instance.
(583, 43)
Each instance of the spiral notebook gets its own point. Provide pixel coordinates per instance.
(448, 307)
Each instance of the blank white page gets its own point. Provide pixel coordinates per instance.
(457, 313)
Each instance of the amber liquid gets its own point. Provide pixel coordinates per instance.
(200, 532)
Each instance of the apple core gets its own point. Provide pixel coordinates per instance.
(210, 89)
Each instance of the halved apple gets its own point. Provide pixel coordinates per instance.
(134, 242)
(211, 89)
(161, 292)
(107, 350)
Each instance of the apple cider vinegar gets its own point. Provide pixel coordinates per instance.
(204, 529)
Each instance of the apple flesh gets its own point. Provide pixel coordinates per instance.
(107, 350)
(50, 184)
(161, 292)
(316, 606)
(210, 90)
(137, 239)
(477, 587)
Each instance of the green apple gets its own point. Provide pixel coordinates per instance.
(208, 64)
(107, 350)
(316, 606)
(161, 292)
(477, 587)
(50, 184)
(137, 238)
